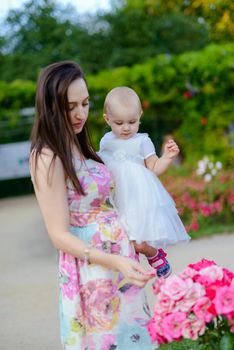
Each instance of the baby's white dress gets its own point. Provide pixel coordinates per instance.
(147, 210)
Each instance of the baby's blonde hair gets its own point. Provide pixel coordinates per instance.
(124, 96)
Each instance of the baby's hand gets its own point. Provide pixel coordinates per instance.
(171, 149)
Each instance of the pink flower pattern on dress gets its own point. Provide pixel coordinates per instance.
(93, 298)
(68, 277)
(108, 341)
(99, 305)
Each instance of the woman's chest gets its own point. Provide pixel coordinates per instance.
(96, 182)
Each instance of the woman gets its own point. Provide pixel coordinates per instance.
(102, 303)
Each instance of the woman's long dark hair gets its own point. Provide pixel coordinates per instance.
(52, 127)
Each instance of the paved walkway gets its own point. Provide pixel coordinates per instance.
(28, 276)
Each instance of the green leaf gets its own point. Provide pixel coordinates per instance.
(227, 342)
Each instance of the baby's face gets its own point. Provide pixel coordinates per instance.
(124, 124)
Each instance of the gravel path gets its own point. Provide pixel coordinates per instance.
(29, 286)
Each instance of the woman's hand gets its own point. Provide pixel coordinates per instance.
(133, 272)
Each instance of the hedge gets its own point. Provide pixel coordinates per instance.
(188, 95)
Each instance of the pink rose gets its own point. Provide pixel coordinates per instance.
(176, 288)
(183, 305)
(153, 331)
(193, 294)
(209, 275)
(228, 276)
(186, 302)
(214, 272)
(202, 264)
(201, 307)
(160, 339)
(164, 303)
(205, 209)
(157, 285)
(194, 226)
(151, 327)
(173, 325)
(224, 300)
(230, 318)
(203, 280)
(212, 289)
(188, 272)
(193, 328)
(155, 328)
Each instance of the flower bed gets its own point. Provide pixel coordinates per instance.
(203, 201)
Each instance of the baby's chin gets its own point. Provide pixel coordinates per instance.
(125, 136)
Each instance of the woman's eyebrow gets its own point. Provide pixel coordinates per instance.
(73, 102)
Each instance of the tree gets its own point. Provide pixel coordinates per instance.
(38, 34)
(136, 34)
(217, 14)
(133, 31)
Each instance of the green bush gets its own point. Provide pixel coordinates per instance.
(189, 95)
(15, 96)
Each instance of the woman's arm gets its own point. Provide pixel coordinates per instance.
(51, 194)
(159, 165)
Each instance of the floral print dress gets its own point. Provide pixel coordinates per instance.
(98, 309)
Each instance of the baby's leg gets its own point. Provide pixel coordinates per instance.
(156, 258)
(145, 249)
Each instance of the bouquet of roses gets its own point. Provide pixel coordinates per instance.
(197, 303)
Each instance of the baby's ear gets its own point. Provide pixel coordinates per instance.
(106, 118)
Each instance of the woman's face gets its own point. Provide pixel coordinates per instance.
(78, 102)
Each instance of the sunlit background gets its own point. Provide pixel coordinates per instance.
(179, 57)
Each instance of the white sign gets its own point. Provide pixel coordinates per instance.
(14, 160)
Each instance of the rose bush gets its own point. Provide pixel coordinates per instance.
(196, 304)
(201, 203)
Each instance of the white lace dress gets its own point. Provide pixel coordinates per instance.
(146, 208)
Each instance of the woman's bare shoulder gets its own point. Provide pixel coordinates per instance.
(46, 167)
(45, 160)
(45, 156)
